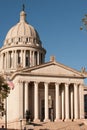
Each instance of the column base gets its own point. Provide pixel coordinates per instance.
(46, 120)
(58, 120)
(36, 120)
(68, 120)
(75, 119)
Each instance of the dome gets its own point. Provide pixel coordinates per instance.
(22, 32)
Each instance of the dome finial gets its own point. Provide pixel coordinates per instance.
(23, 14)
(23, 7)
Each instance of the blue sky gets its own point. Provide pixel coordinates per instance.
(58, 24)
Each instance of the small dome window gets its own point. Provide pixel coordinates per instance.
(27, 40)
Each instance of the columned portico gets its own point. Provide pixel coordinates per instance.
(65, 101)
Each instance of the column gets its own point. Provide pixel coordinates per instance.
(46, 103)
(26, 96)
(81, 100)
(15, 59)
(24, 61)
(36, 102)
(66, 102)
(21, 58)
(12, 59)
(5, 60)
(75, 101)
(1, 61)
(63, 103)
(57, 102)
(38, 58)
(71, 105)
(33, 58)
(21, 99)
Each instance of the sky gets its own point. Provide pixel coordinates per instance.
(58, 24)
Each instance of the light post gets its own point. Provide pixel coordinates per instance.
(20, 124)
(6, 113)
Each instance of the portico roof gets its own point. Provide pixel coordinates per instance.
(51, 69)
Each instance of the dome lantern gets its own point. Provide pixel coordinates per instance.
(23, 14)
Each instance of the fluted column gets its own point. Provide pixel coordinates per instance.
(46, 103)
(12, 59)
(24, 65)
(72, 103)
(26, 96)
(66, 101)
(75, 101)
(21, 99)
(57, 102)
(30, 58)
(37, 58)
(15, 59)
(33, 59)
(63, 103)
(36, 101)
(5, 60)
(81, 100)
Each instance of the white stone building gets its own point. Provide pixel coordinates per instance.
(49, 90)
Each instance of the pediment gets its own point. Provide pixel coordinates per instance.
(53, 69)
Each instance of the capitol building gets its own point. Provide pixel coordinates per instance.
(50, 91)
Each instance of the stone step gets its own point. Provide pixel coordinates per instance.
(57, 126)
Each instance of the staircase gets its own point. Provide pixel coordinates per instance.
(76, 125)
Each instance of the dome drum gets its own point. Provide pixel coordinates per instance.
(22, 40)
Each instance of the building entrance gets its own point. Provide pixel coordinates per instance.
(51, 110)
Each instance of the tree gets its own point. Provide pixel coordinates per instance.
(4, 91)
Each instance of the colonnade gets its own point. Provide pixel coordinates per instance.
(24, 58)
(68, 101)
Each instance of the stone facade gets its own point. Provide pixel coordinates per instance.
(50, 91)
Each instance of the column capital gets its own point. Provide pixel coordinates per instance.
(67, 84)
(57, 83)
(26, 82)
(36, 82)
(20, 81)
(46, 83)
(76, 84)
(81, 84)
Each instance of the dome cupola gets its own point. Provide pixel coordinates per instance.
(22, 47)
(22, 33)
